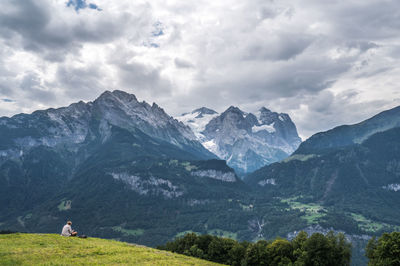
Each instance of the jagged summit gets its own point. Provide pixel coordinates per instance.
(266, 116)
(264, 109)
(73, 124)
(118, 94)
(247, 141)
(233, 109)
(204, 111)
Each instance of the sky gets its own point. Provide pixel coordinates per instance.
(325, 63)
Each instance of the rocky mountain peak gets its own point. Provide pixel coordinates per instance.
(117, 95)
(247, 141)
(267, 117)
(72, 124)
(252, 119)
(204, 111)
(233, 109)
(264, 110)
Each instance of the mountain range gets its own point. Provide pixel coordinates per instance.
(113, 164)
(124, 169)
(246, 141)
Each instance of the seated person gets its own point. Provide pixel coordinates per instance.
(67, 230)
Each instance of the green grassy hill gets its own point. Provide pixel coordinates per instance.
(50, 249)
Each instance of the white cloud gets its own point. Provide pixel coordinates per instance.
(324, 63)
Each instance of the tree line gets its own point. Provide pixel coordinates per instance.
(317, 249)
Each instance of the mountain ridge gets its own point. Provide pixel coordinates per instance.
(125, 162)
(346, 135)
(116, 108)
(245, 140)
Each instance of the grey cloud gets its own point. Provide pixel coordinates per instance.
(33, 90)
(340, 110)
(262, 84)
(181, 63)
(142, 77)
(280, 47)
(29, 20)
(371, 19)
(6, 100)
(306, 75)
(33, 23)
(374, 72)
(290, 56)
(80, 83)
(322, 103)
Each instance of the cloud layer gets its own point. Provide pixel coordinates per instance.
(324, 62)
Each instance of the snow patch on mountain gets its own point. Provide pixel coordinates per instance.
(268, 128)
(197, 121)
(211, 146)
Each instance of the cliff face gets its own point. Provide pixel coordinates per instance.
(246, 141)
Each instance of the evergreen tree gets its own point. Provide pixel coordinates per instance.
(385, 250)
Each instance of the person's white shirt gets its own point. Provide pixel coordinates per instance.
(67, 230)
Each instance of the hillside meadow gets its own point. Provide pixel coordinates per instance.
(52, 249)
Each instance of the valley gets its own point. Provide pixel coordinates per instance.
(123, 169)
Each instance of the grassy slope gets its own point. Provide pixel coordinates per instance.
(50, 249)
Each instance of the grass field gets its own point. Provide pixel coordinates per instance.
(312, 212)
(182, 234)
(372, 226)
(50, 249)
(222, 233)
(214, 232)
(128, 232)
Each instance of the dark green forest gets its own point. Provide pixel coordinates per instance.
(317, 249)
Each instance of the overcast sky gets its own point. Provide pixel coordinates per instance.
(325, 63)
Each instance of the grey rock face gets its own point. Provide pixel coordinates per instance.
(247, 141)
(123, 110)
(218, 175)
(149, 186)
(73, 125)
